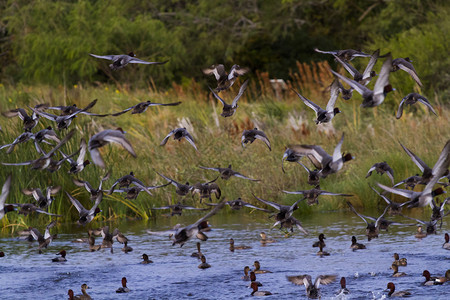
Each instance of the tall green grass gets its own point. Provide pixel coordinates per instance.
(371, 135)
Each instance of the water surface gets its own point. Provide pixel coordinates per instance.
(25, 274)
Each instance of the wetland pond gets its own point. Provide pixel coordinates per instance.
(25, 274)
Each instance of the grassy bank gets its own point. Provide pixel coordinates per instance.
(371, 135)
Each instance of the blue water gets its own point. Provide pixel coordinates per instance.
(25, 274)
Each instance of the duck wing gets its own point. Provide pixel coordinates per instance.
(217, 96)
(217, 70)
(47, 229)
(305, 167)
(356, 213)
(419, 163)
(381, 216)
(83, 150)
(373, 60)
(298, 224)
(135, 60)
(414, 219)
(347, 66)
(192, 208)
(52, 190)
(213, 169)
(46, 212)
(355, 85)
(255, 207)
(334, 93)
(175, 183)
(401, 192)
(36, 193)
(77, 204)
(270, 203)
(164, 141)
(123, 111)
(140, 184)
(237, 71)
(164, 104)
(409, 68)
(239, 95)
(19, 164)
(14, 113)
(237, 174)
(89, 106)
(334, 194)
(36, 235)
(262, 136)
(295, 192)
(324, 279)
(371, 170)
(326, 52)
(219, 206)
(104, 178)
(383, 77)
(108, 57)
(425, 102)
(97, 158)
(190, 139)
(388, 201)
(96, 204)
(439, 169)
(44, 114)
(119, 138)
(316, 154)
(82, 183)
(5, 191)
(158, 186)
(59, 145)
(337, 154)
(301, 280)
(308, 102)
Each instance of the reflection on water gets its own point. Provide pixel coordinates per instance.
(175, 275)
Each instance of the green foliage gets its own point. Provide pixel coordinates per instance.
(53, 39)
(427, 46)
(48, 41)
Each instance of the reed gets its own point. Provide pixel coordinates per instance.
(371, 135)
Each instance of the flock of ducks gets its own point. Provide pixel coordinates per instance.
(48, 146)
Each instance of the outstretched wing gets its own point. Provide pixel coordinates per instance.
(355, 85)
(267, 202)
(301, 280)
(108, 57)
(135, 60)
(76, 203)
(123, 111)
(190, 139)
(164, 141)
(211, 213)
(241, 91)
(408, 67)
(5, 191)
(356, 213)
(419, 163)
(425, 102)
(308, 102)
(218, 71)
(119, 138)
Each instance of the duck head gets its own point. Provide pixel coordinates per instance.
(343, 283)
(124, 281)
(347, 157)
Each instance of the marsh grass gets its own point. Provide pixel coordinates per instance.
(371, 135)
